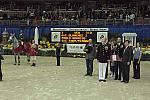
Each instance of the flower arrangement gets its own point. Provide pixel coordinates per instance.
(44, 44)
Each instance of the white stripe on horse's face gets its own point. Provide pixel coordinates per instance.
(14, 40)
(11, 38)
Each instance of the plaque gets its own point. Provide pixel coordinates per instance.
(115, 58)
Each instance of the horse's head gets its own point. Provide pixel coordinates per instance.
(11, 37)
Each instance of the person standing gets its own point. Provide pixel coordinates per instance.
(126, 61)
(1, 58)
(90, 55)
(137, 54)
(103, 55)
(118, 64)
(58, 53)
(33, 53)
(112, 64)
(108, 63)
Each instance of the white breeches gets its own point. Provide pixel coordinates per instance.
(102, 71)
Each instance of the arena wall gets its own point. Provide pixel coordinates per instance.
(143, 31)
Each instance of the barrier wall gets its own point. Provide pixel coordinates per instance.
(143, 31)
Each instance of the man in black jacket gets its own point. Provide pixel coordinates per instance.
(118, 64)
(103, 55)
(126, 60)
(58, 53)
(1, 58)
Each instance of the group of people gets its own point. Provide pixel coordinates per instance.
(116, 54)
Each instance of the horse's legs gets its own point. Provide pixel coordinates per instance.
(33, 60)
(15, 58)
(18, 58)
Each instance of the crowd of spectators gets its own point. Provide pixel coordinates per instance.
(76, 12)
(72, 15)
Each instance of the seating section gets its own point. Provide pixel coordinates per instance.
(74, 12)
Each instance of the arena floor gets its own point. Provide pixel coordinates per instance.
(67, 82)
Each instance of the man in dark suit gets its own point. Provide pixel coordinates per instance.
(1, 58)
(90, 55)
(118, 64)
(126, 60)
(58, 53)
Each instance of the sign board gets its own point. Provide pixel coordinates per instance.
(101, 35)
(55, 36)
(75, 48)
(78, 35)
(80, 29)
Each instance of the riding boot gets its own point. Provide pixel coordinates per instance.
(15, 61)
(28, 59)
(18, 60)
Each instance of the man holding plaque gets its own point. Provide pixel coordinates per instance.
(117, 58)
(90, 55)
(112, 65)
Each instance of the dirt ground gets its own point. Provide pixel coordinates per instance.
(47, 81)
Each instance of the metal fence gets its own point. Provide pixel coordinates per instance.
(104, 22)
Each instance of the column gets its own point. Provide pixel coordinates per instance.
(132, 40)
(123, 39)
(135, 40)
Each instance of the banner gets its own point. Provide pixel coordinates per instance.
(55, 36)
(80, 29)
(75, 48)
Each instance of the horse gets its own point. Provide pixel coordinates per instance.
(17, 48)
